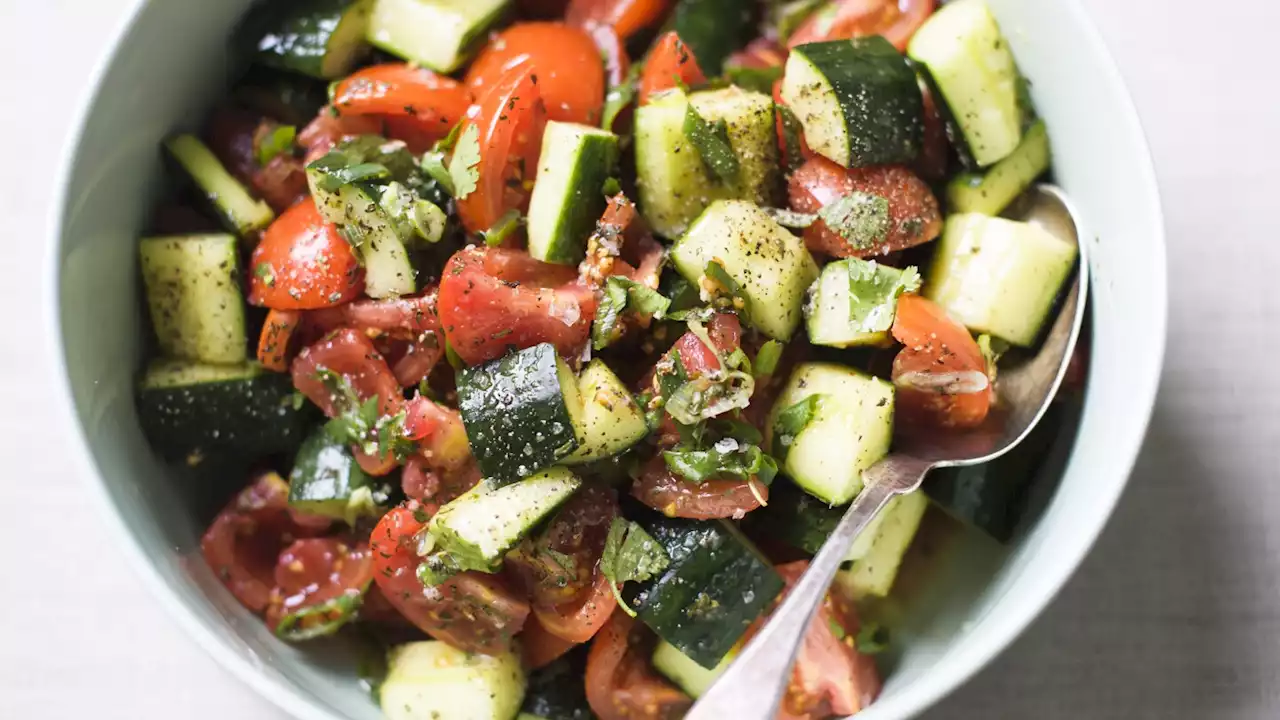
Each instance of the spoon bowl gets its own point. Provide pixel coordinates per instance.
(753, 686)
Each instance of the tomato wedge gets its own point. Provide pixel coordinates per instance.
(671, 64)
(558, 566)
(896, 20)
(494, 299)
(441, 437)
(473, 611)
(539, 647)
(406, 318)
(431, 104)
(578, 621)
(621, 684)
(319, 584)
(302, 263)
(510, 120)
(565, 62)
(432, 486)
(831, 677)
(627, 17)
(273, 343)
(243, 542)
(914, 217)
(941, 375)
(234, 136)
(673, 496)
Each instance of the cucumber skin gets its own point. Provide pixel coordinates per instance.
(298, 41)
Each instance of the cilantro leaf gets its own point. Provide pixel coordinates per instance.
(874, 291)
(336, 171)
(768, 357)
(623, 295)
(711, 140)
(792, 421)
(860, 218)
(630, 554)
(277, 142)
(361, 423)
(726, 459)
(463, 166)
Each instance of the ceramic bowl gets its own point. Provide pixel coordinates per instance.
(170, 63)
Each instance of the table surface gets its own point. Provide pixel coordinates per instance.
(1173, 616)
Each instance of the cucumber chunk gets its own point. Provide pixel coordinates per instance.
(849, 432)
(877, 559)
(477, 530)
(568, 197)
(326, 480)
(675, 184)
(853, 303)
(239, 211)
(193, 292)
(991, 192)
(320, 38)
(688, 675)
(438, 34)
(999, 276)
(772, 266)
(970, 63)
(611, 421)
(858, 101)
(430, 680)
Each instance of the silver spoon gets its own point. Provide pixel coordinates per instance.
(753, 685)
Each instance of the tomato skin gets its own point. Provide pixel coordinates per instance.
(830, 677)
(426, 104)
(327, 130)
(725, 331)
(406, 318)
(302, 263)
(896, 20)
(242, 544)
(936, 344)
(626, 17)
(473, 611)
(565, 63)
(273, 343)
(492, 299)
(914, 217)
(511, 116)
(577, 530)
(440, 434)
(578, 621)
(621, 685)
(670, 64)
(662, 490)
(539, 647)
(314, 571)
(433, 486)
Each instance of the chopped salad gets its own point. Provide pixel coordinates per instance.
(550, 337)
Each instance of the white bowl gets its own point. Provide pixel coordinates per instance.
(170, 64)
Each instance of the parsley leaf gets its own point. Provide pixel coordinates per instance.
(860, 218)
(711, 140)
(277, 142)
(623, 295)
(630, 554)
(768, 357)
(791, 422)
(874, 291)
(726, 459)
(464, 165)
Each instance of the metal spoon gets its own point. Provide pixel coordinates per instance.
(753, 685)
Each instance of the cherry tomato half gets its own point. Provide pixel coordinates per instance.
(565, 63)
(673, 496)
(896, 20)
(431, 104)
(941, 374)
(621, 684)
(671, 64)
(319, 582)
(302, 263)
(627, 17)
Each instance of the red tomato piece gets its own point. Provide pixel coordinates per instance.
(761, 53)
(510, 117)
(439, 432)
(896, 20)
(243, 542)
(914, 217)
(725, 331)
(670, 64)
(578, 621)
(432, 486)
(831, 677)
(493, 299)
(473, 611)
(302, 263)
(539, 647)
(234, 136)
(941, 375)
(621, 684)
(565, 63)
(673, 496)
(627, 17)
(318, 573)
(424, 103)
(327, 130)
(273, 343)
(406, 318)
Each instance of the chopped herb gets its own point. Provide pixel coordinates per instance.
(623, 295)
(860, 218)
(338, 171)
(711, 140)
(722, 290)
(872, 639)
(620, 96)
(791, 422)
(992, 349)
(316, 621)
(758, 79)
(768, 357)
(433, 164)
(464, 164)
(706, 397)
(611, 187)
(265, 273)
(791, 218)
(277, 142)
(362, 423)
(874, 291)
(743, 432)
(836, 628)
(726, 459)
(630, 554)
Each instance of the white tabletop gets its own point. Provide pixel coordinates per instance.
(1175, 615)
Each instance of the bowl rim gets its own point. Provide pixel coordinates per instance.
(955, 670)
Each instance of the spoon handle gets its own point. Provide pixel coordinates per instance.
(752, 687)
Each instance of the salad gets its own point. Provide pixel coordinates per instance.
(549, 337)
